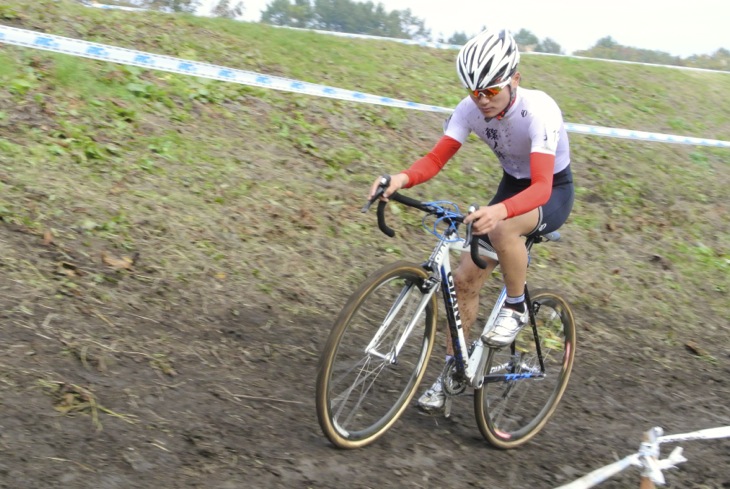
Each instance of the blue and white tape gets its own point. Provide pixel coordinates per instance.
(643, 136)
(117, 7)
(103, 52)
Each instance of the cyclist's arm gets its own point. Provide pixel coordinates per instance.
(427, 167)
(538, 193)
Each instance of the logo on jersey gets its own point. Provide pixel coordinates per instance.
(523, 113)
(491, 134)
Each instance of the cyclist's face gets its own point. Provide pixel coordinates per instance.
(492, 106)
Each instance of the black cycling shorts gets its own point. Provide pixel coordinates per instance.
(555, 212)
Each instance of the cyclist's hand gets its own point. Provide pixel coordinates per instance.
(485, 219)
(397, 182)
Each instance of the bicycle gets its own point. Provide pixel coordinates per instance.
(379, 346)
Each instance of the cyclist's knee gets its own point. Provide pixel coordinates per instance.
(504, 238)
(511, 232)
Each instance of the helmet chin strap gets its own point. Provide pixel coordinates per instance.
(512, 97)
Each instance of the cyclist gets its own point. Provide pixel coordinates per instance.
(525, 130)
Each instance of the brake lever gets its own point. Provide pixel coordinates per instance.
(382, 186)
(473, 242)
(472, 208)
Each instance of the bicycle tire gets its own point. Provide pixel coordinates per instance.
(359, 394)
(512, 411)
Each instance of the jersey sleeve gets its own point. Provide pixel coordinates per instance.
(545, 129)
(541, 186)
(427, 167)
(544, 134)
(457, 125)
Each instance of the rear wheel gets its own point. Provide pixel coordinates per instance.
(516, 399)
(375, 356)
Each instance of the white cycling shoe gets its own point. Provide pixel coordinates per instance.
(434, 400)
(508, 323)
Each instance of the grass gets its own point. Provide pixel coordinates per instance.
(222, 185)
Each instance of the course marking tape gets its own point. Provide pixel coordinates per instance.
(644, 136)
(440, 45)
(103, 52)
(116, 7)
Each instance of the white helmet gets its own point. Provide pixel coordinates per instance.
(488, 59)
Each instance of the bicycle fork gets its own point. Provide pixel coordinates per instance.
(391, 356)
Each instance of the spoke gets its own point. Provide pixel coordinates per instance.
(361, 380)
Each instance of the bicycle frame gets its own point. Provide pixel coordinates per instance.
(469, 366)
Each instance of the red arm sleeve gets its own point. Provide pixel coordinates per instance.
(538, 193)
(428, 166)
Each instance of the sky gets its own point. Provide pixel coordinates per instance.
(678, 28)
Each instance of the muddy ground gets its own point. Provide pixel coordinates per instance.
(222, 396)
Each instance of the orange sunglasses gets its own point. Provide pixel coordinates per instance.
(490, 92)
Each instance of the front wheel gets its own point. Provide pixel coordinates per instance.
(519, 395)
(376, 355)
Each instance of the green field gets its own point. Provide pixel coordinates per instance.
(205, 179)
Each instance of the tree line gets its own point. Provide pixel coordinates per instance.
(370, 18)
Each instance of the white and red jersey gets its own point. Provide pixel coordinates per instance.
(534, 124)
(530, 142)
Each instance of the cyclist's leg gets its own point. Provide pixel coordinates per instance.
(509, 243)
(468, 280)
(508, 238)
